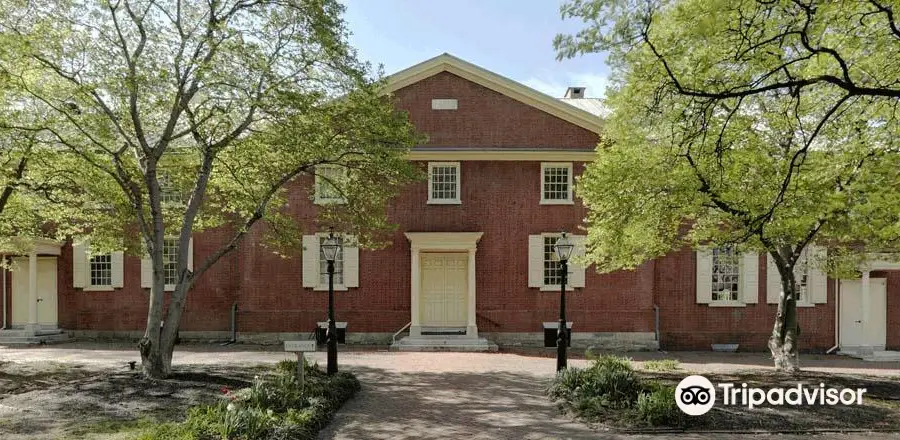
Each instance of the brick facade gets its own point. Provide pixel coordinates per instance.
(501, 200)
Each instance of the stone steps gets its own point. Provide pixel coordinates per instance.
(871, 355)
(22, 337)
(883, 356)
(444, 343)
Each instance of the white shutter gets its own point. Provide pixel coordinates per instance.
(576, 271)
(818, 280)
(351, 261)
(310, 261)
(146, 272)
(773, 281)
(118, 269)
(79, 265)
(535, 261)
(190, 261)
(704, 276)
(750, 278)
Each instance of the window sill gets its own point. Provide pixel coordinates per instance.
(337, 288)
(556, 288)
(557, 202)
(805, 304)
(727, 304)
(169, 288)
(98, 289)
(322, 202)
(444, 202)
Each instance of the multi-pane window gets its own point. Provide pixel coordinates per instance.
(170, 260)
(726, 269)
(101, 270)
(556, 183)
(801, 277)
(168, 192)
(443, 182)
(338, 264)
(552, 270)
(327, 176)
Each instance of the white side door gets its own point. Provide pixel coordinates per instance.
(46, 292)
(853, 330)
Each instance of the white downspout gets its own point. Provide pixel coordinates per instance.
(837, 317)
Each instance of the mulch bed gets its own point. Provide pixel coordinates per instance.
(55, 401)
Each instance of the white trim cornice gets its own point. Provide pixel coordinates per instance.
(444, 241)
(501, 154)
(42, 246)
(880, 261)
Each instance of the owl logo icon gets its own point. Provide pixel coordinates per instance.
(695, 395)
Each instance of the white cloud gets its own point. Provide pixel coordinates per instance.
(556, 85)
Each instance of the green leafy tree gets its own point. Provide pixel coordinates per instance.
(202, 114)
(44, 192)
(766, 126)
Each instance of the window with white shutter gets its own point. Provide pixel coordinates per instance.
(543, 262)
(726, 278)
(315, 266)
(328, 178)
(170, 264)
(812, 282)
(96, 272)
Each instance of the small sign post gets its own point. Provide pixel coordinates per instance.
(299, 347)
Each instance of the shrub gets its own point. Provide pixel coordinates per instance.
(566, 384)
(274, 407)
(608, 382)
(657, 406)
(610, 386)
(662, 365)
(612, 379)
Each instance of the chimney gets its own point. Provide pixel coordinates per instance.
(575, 93)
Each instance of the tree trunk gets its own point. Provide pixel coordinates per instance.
(783, 342)
(156, 360)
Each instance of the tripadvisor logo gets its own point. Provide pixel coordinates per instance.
(696, 395)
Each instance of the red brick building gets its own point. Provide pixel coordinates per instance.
(471, 257)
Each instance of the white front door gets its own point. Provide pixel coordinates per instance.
(46, 292)
(444, 290)
(853, 329)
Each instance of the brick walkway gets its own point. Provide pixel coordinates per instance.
(443, 395)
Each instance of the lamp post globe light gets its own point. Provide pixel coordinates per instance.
(563, 248)
(330, 249)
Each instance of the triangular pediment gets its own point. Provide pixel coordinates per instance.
(498, 83)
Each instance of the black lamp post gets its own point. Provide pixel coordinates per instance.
(563, 249)
(331, 248)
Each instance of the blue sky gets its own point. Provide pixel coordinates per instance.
(509, 37)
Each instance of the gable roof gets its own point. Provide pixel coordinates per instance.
(498, 83)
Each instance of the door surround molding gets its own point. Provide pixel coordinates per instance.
(441, 242)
